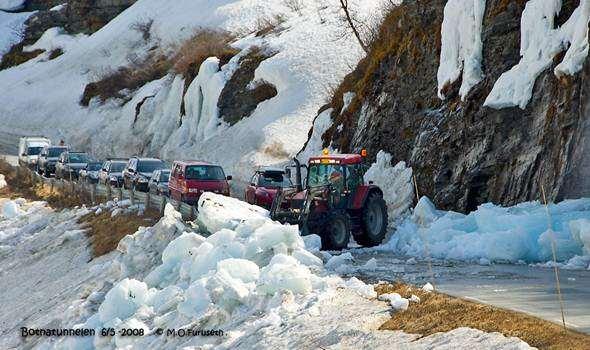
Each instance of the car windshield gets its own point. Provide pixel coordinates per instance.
(117, 167)
(325, 174)
(204, 172)
(165, 177)
(94, 166)
(150, 166)
(78, 158)
(55, 152)
(274, 179)
(33, 151)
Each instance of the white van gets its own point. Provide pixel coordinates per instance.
(29, 148)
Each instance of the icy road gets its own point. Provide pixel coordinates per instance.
(524, 288)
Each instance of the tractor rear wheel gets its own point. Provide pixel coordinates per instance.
(374, 221)
(337, 235)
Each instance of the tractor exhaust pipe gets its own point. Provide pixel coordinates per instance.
(298, 180)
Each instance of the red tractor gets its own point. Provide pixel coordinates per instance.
(334, 202)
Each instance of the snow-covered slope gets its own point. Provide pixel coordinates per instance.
(311, 55)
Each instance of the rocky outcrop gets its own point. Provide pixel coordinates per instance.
(464, 154)
(239, 98)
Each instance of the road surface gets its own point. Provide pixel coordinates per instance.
(521, 288)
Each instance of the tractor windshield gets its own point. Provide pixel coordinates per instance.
(326, 174)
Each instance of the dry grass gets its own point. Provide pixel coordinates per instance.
(113, 84)
(269, 25)
(203, 44)
(105, 232)
(25, 186)
(441, 313)
(17, 56)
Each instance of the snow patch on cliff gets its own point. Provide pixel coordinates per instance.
(461, 50)
(540, 42)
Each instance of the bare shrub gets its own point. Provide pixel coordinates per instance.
(294, 5)
(113, 84)
(269, 25)
(144, 27)
(203, 44)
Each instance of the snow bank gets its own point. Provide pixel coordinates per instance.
(495, 233)
(249, 269)
(461, 45)
(540, 42)
(2, 181)
(396, 183)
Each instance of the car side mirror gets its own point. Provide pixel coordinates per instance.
(229, 177)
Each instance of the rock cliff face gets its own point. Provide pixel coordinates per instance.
(464, 154)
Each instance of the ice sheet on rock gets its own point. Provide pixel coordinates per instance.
(461, 50)
(396, 183)
(540, 43)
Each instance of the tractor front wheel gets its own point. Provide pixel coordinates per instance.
(374, 221)
(337, 235)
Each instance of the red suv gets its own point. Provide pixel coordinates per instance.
(264, 186)
(189, 179)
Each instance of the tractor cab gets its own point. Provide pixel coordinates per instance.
(338, 175)
(334, 202)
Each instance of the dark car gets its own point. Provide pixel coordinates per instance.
(48, 159)
(69, 165)
(138, 172)
(90, 173)
(189, 179)
(111, 172)
(264, 186)
(159, 182)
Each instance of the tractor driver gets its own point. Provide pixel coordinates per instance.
(336, 179)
